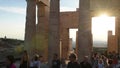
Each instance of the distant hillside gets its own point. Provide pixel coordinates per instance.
(100, 44)
(9, 43)
(10, 47)
(95, 44)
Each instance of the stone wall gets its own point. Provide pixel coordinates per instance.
(104, 4)
(67, 20)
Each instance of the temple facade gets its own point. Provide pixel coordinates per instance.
(47, 29)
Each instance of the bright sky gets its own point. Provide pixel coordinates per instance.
(73, 34)
(13, 13)
(100, 27)
(12, 16)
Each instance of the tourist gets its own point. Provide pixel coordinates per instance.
(24, 60)
(31, 62)
(10, 61)
(95, 63)
(100, 64)
(63, 63)
(35, 63)
(85, 63)
(115, 61)
(55, 61)
(73, 63)
(105, 59)
(110, 64)
(43, 64)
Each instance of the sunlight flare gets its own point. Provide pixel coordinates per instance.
(104, 15)
(101, 25)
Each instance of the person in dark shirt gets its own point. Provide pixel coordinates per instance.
(24, 60)
(55, 61)
(73, 63)
(85, 63)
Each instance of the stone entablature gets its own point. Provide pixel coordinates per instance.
(69, 19)
(111, 7)
(104, 4)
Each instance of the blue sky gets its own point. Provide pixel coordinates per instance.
(13, 13)
(12, 18)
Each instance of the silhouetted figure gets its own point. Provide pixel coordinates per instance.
(85, 63)
(24, 60)
(110, 64)
(43, 64)
(55, 61)
(10, 61)
(63, 64)
(73, 63)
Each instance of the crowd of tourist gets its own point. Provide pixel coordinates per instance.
(95, 61)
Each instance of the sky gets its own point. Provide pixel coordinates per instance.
(100, 27)
(12, 18)
(13, 14)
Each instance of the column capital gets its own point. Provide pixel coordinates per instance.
(45, 2)
(31, 0)
(39, 3)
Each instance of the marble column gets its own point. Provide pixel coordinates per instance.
(30, 27)
(42, 30)
(84, 30)
(117, 31)
(76, 48)
(54, 27)
(65, 43)
(112, 40)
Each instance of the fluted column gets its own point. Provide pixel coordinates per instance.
(42, 29)
(84, 30)
(76, 48)
(65, 43)
(30, 27)
(117, 32)
(54, 27)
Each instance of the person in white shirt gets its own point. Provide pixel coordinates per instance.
(100, 64)
(36, 62)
